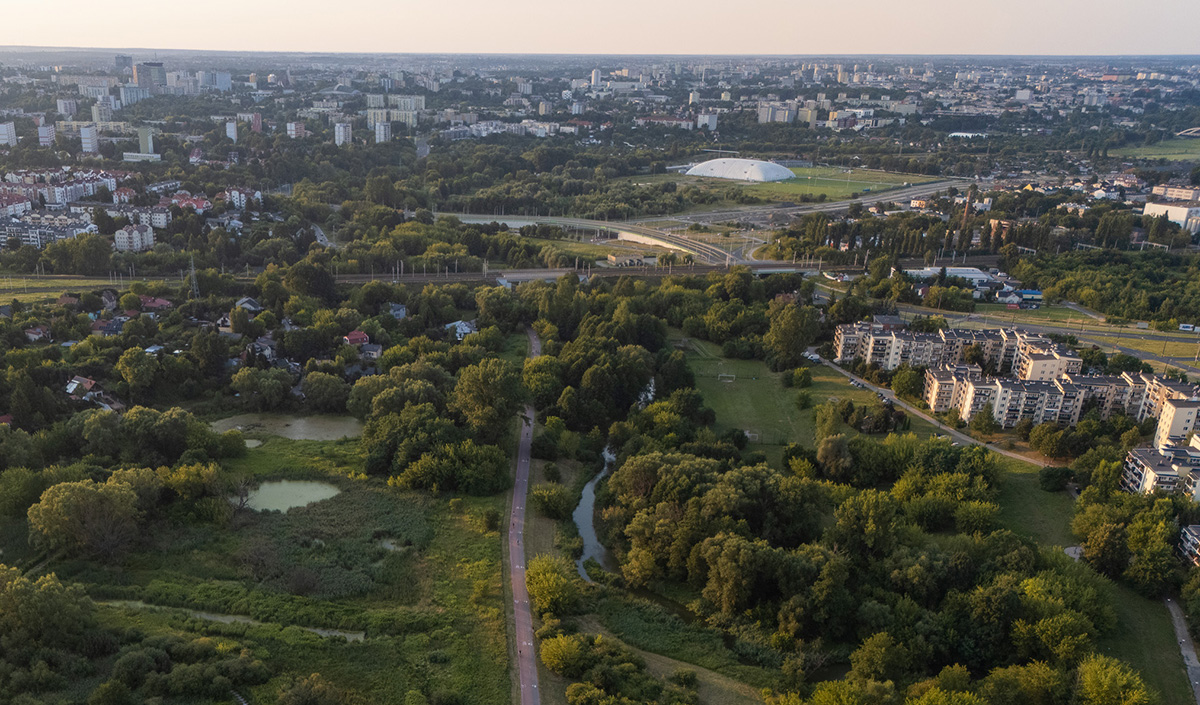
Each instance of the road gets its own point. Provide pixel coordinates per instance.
(956, 435)
(522, 614)
(1186, 647)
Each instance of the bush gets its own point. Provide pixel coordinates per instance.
(803, 400)
(553, 501)
(491, 519)
(1054, 478)
(552, 473)
(802, 378)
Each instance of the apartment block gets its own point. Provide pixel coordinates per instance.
(1163, 469)
(1176, 421)
(946, 386)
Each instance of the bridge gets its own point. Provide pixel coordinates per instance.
(1193, 132)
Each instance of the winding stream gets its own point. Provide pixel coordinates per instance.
(585, 520)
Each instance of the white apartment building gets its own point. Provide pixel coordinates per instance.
(1185, 215)
(46, 134)
(134, 238)
(1177, 193)
(231, 130)
(1170, 468)
(342, 133)
(1176, 421)
(296, 130)
(8, 134)
(90, 135)
(383, 132)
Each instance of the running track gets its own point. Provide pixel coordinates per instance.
(522, 616)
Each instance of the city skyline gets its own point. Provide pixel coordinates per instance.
(761, 27)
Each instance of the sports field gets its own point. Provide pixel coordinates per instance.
(1173, 150)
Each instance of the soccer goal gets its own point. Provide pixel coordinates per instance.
(726, 377)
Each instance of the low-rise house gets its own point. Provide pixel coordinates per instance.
(356, 338)
(248, 304)
(37, 333)
(153, 303)
(398, 311)
(371, 351)
(461, 329)
(79, 386)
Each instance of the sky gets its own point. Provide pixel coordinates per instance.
(801, 27)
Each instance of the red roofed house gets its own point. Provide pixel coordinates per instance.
(78, 386)
(123, 195)
(356, 337)
(152, 303)
(37, 333)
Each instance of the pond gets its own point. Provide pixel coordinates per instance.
(585, 520)
(296, 428)
(282, 495)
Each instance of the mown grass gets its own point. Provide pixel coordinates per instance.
(1173, 150)
(1143, 637)
(1028, 510)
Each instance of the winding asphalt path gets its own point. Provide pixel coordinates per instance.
(1186, 648)
(522, 614)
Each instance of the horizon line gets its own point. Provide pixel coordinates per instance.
(1133, 55)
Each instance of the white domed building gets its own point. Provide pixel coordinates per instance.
(742, 170)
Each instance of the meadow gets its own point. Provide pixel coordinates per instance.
(1180, 149)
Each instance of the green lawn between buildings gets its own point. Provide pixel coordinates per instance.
(756, 399)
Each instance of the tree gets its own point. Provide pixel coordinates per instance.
(1105, 550)
(313, 690)
(325, 392)
(1103, 680)
(552, 584)
(1151, 563)
(907, 382)
(262, 389)
(137, 368)
(879, 658)
(564, 654)
(487, 395)
(984, 421)
(802, 378)
(40, 613)
(86, 517)
(793, 329)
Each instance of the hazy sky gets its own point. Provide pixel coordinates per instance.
(618, 26)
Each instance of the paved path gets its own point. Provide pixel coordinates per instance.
(953, 433)
(522, 614)
(1185, 646)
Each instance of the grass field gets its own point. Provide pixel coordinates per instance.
(31, 289)
(746, 395)
(1143, 636)
(1176, 349)
(591, 251)
(835, 182)
(1173, 150)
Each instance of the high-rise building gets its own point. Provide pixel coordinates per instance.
(150, 75)
(693, 97)
(132, 93)
(231, 130)
(595, 77)
(8, 134)
(102, 112)
(296, 130)
(123, 63)
(90, 135)
(46, 135)
(376, 100)
(383, 132)
(146, 140)
(256, 122)
(67, 107)
(342, 133)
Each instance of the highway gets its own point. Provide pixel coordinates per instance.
(520, 275)
(527, 674)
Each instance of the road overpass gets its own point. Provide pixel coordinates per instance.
(524, 275)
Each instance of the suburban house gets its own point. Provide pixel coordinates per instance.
(461, 329)
(37, 333)
(356, 338)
